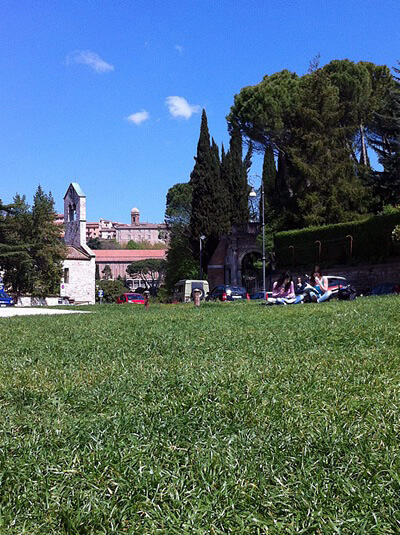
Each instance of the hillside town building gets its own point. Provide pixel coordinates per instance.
(119, 259)
(106, 229)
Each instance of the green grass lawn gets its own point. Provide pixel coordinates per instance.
(231, 418)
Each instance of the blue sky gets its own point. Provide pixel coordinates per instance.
(109, 93)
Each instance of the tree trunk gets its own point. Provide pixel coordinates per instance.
(364, 156)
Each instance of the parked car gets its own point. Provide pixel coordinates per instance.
(183, 290)
(339, 286)
(131, 298)
(227, 292)
(6, 300)
(261, 295)
(386, 288)
(335, 283)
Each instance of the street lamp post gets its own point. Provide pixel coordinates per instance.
(254, 194)
(201, 256)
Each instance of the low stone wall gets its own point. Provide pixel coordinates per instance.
(365, 277)
(29, 301)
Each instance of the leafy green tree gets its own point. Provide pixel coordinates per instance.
(385, 139)
(31, 251)
(133, 245)
(396, 233)
(110, 245)
(124, 282)
(94, 243)
(181, 262)
(144, 245)
(112, 290)
(319, 127)
(15, 259)
(354, 86)
(264, 112)
(179, 204)
(149, 271)
(107, 273)
(47, 249)
(323, 182)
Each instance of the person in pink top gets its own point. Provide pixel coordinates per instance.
(283, 289)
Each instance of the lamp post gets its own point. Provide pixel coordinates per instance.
(201, 255)
(254, 194)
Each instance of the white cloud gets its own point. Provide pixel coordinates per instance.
(180, 107)
(89, 58)
(179, 48)
(138, 117)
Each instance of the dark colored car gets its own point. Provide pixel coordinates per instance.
(131, 298)
(261, 295)
(5, 299)
(227, 292)
(386, 289)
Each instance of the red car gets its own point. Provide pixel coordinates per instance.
(131, 298)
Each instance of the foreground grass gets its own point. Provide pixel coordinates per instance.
(233, 418)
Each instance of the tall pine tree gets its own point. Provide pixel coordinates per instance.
(325, 186)
(15, 245)
(47, 250)
(385, 139)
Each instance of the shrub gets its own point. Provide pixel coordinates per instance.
(112, 290)
(396, 234)
(365, 240)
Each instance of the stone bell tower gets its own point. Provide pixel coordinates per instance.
(75, 216)
(135, 216)
(78, 283)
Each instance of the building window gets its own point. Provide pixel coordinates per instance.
(71, 212)
(66, 275)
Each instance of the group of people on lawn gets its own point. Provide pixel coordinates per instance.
(286, 292)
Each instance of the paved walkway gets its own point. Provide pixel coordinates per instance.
(8, 312)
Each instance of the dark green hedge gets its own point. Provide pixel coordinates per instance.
(371, 242)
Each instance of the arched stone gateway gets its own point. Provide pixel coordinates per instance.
(232, 260)
(251, 267)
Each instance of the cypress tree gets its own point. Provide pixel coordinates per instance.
(269, 173)
(220, 216)
(269, 182)
(201, 203)
(209, 214)
(239, 189)
(226, 184)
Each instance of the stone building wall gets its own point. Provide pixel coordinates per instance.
(81, 285)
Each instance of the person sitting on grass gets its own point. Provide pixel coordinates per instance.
(300, 290)
(283, 290)
(319, 283)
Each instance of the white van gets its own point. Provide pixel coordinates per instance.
(183, 290)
